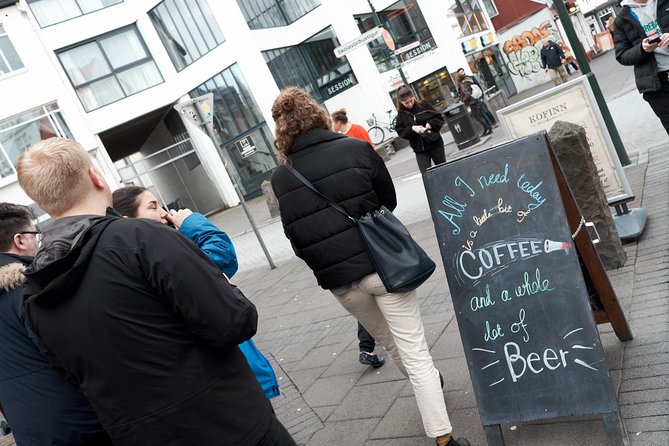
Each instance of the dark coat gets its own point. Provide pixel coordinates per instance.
(628, 35)
(345, 170)
(146, 325)
(552, 55)
(40, 406)
(421, 114)
(465, 88)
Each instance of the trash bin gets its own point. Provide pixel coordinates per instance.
(461, 125)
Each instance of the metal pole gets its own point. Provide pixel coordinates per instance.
(392, 57)
(209, 129)
(585, 69)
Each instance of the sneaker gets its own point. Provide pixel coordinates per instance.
(458, 442)
(441, 380)
(371, 359)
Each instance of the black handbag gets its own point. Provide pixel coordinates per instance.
(430, 136)
(399, 261)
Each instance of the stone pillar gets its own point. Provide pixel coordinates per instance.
(570, 145)
(270, 198)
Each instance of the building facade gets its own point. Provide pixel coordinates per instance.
(109, 74)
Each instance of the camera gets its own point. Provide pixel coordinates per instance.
(654, 39)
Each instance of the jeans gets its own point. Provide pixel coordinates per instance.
(486, 112)
(424, 159)
(365, 340)
(477, 113)
(394, 321)
(659, 100)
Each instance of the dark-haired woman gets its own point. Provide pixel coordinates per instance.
(420, 123)
(139, 202)
(467, 98)
(345, 170)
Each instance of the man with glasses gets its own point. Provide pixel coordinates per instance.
(40, 406)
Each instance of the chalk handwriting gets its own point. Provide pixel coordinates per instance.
(458, 210)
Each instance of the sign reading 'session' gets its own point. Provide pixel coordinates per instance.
(521, 303)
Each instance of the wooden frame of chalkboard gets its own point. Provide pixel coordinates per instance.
(529, 336)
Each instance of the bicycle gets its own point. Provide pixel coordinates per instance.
(375, 130)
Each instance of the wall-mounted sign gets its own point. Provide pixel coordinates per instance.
(246, 147)
(339, 85)
(571, 102)
(421, 48)
(359, 41)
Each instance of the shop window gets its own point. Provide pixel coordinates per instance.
(9, 59)
(260, 14)
(438, 89)
(490, 7)
(187, 28)
(406, 24)
(26, 129)
(110, 67)
(312, 66)
(469, 15)
(49, 12)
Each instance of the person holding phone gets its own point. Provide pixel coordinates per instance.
(641, 42)
(139, 202)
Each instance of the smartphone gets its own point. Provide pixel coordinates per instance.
(654, 39)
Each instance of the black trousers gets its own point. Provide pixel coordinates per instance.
(365, 340)
(477, 113)
(276, 435)
(659, 100)
(425, 159)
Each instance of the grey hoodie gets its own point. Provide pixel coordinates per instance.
(647, 16)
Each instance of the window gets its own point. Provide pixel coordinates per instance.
(110, 67)
(405, 22)
(490, 7)
(438, 89)
(187, 28)
(22, 131)
(9, 60)
(48, 12)
(261, 14)
(312, 66)
(469, 16)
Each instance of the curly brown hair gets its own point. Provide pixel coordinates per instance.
(294, 111)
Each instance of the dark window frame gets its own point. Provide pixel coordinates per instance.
(113, 71)
(188, 4)
(260, 15)
(70, 18)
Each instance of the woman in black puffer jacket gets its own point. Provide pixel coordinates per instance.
(347, 171)
(420, 123)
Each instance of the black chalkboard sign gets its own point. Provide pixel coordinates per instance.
(529, 336)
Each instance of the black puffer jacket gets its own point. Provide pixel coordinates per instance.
(628, 35)
(345, 170)
(420, 114)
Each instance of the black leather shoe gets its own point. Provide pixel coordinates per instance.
(371, 359)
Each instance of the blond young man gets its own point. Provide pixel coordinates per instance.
(137, 316)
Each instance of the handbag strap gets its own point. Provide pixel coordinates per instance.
(307, 183)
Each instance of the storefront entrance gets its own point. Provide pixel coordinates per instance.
(489, 68)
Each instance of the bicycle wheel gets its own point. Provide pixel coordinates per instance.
(376, 134)
(392, 123)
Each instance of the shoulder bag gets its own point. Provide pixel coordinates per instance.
(399, 261)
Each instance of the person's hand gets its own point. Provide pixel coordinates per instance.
(664, 41)
(418, 129)
(650, 47)
(428, 126)
(177, 217)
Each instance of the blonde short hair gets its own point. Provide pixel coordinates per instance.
(54, 173)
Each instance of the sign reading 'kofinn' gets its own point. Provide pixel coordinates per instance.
(571, 102)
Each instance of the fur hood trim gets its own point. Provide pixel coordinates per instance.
(11, 276)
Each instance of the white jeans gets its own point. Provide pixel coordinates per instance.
(394, 321)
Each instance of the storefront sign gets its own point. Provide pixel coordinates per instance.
(339, 85)
(246, 147)
(420, 49)
(359, 41)
(571, 102)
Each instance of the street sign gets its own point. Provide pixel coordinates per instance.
(359, 41)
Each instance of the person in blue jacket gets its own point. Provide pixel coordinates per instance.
(139, 202)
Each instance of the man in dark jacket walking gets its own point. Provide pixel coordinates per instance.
(41, 407)
(138, 316)
(552, 60)
(641, 42)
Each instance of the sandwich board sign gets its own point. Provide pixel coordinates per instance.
(521, 302)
